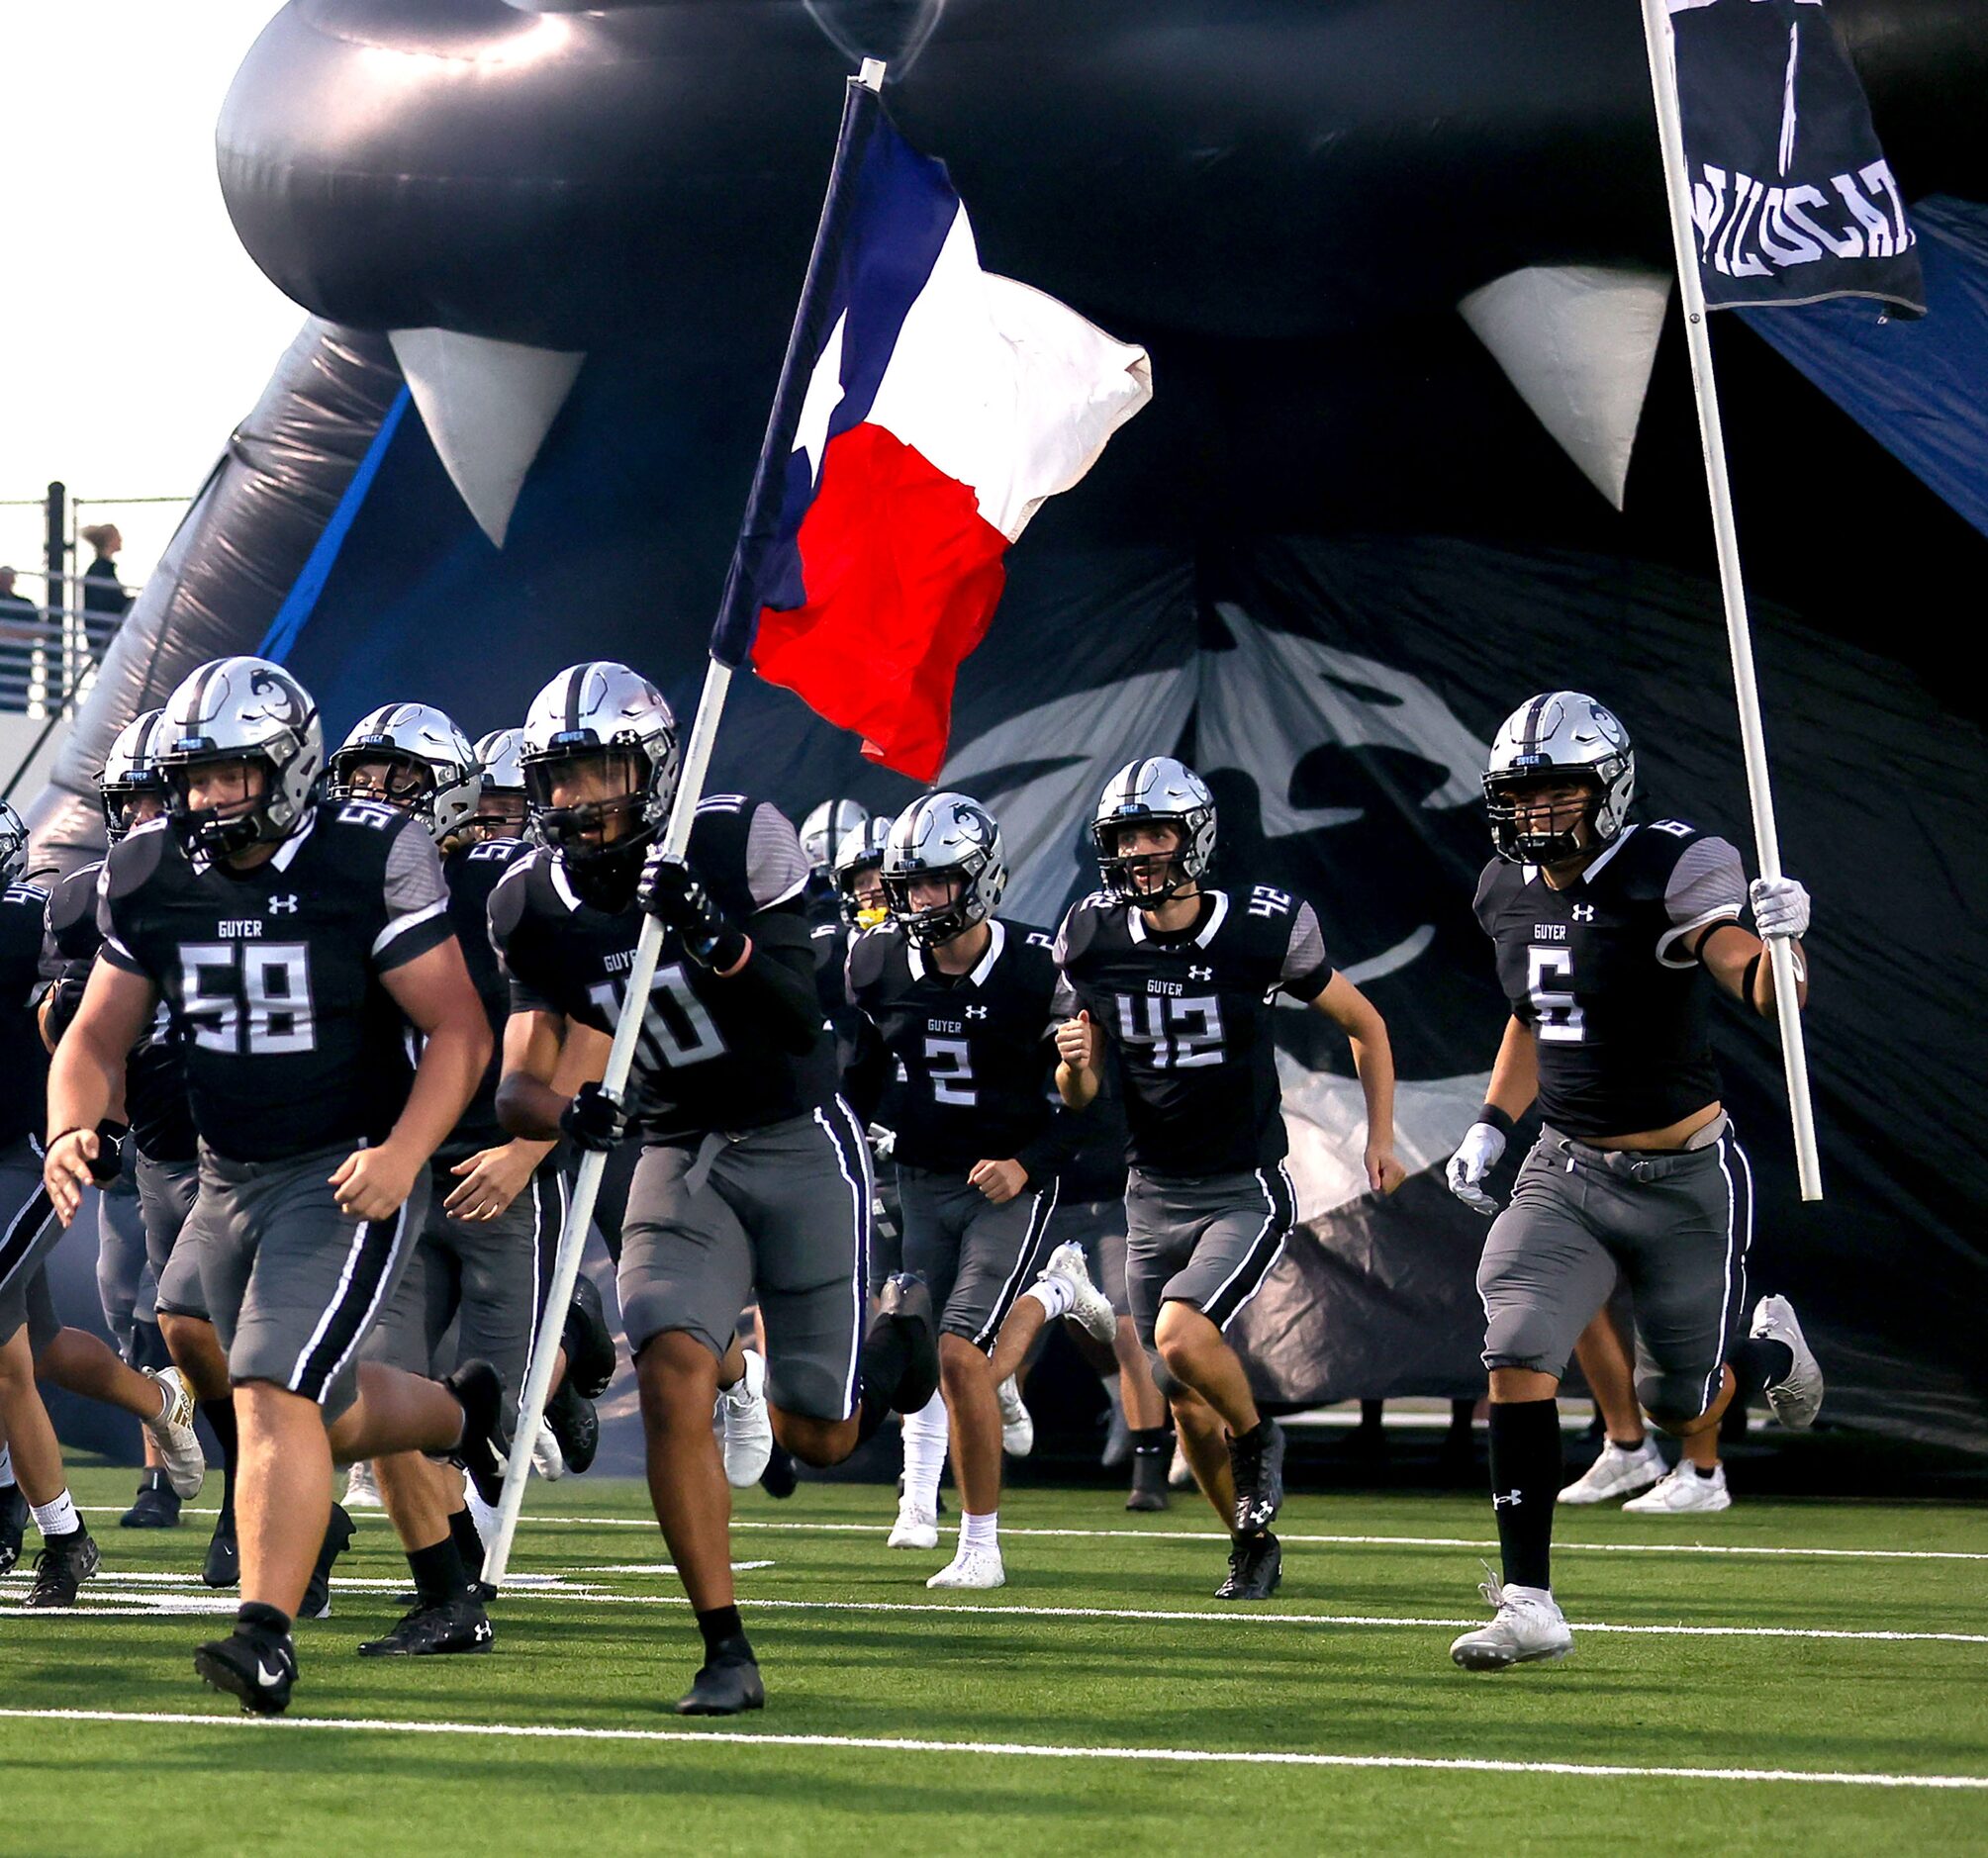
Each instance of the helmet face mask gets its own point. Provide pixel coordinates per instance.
(1560, 780)
(411, 757)
(242, 751)
(1146, 878)
(13, 844)
(230, 813)
(1546, 819)
(949, 843)
(389, 778)
(856, 869)
(502, 812)
(826, 831)
(1157, 792)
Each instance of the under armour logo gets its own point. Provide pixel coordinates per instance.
(1500, 1497)
(1201, 974)
(280, 905)
(977, 1012)
(1583, 912)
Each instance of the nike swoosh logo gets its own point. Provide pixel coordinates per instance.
(266, 1677)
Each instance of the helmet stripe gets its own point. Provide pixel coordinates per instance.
(1530, 736)
(576, 680)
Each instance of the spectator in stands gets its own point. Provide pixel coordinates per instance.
(103, 597)
(15, 611)
(20, 629)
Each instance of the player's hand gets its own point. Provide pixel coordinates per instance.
(492, 1178)
(1077, 1042)
(883, 1142)
(1780, 908)
(67, 1168)
(374, 1183)
(595, 1120)
(1000, 1182)
(1383, 1171)
(1477, 1154)
(671, 894)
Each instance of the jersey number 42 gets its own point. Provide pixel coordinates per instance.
(1181, 1033)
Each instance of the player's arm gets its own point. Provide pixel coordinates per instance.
(549, 1062)
(60, 1004)
(1737, 960)
(494, 1177)
(86, 1077)
(1704, 897)
(1374, 1060)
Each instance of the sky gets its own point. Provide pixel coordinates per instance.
(134, 329)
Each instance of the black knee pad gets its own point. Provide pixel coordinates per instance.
(1171, 1387)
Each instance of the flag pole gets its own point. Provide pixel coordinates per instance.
(1662, 46)
(731, 639)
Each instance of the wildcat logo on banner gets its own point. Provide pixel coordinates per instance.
(1791, 195)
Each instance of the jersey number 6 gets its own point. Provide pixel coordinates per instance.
(1558, 1015)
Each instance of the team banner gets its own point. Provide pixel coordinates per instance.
(1791, 196)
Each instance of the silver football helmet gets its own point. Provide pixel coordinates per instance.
(944, 835)
(13, 844)
(1159, 790)
(824, 830)
(500, 804)
(603, 712)
(861, 850)
(130, 770)
(431, 770)
(1547, 738)
(240, 709)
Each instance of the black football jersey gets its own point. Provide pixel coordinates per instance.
(1604, 973)
(705, 1060)
(1186, 1020)
(155, 1103)
(273, 976)
(24, 1062)
(472, 872)
(976, 1049)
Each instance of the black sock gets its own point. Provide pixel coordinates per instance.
(1525, 1482)
(1758, 1363)
(886, 1355)
(1148, 1440)
(1628, 1444)
(220, 1417)
(462, 1531)
(439, 1571)
(1706, 1471)
(720, 1625)
(256, 1620)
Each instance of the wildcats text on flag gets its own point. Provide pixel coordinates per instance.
(1791, 196)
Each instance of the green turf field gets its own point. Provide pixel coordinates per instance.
(905, 1720)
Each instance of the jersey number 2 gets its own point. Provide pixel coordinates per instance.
(1558, 1017)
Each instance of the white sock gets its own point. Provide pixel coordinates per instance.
(925, 1439)
(751, 1384)
(6, 1467)
(1055, 1294)
(979, 1531)
(58, 1518)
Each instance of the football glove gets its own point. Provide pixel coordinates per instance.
(671, 894)
(1780, 906)
(1477, 1154)
(595, 1120)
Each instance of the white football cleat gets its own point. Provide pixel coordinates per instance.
(914, 1528)
(1618, 1472)
(748, 1426)
(977, 1566)
(1180, 1473)
(362, 1490)
(1018, 1429)
(1088, 1307)
(1529, 1629)
(1684, 1493)
(1799, 1398)
(172, 1431)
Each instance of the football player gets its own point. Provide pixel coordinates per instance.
(293, 942)
(33, 1342)
(1171, 981)
(753, 1172)
(483, 1260)
(958, 1002)
(1610, 938)
(500, 800)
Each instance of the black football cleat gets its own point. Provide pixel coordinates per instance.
(337, 1538)
(12, 1526)
(433, 1630)
(779, 1479)
(1255, 1460)
(1256, 1567)
(222, 1566)
(574, 1423)
(485, 1447)
(63, 1565)
(587, 1341)
(156, 1505)
(727, 1683)
(904, 1333)
(258, 1668)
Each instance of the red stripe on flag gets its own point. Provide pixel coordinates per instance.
(903, 574)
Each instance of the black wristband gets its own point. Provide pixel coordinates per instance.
(1490, 1113)
(1746, 982)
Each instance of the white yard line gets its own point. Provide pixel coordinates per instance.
(905, 1744)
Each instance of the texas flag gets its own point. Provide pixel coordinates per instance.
(943, 404)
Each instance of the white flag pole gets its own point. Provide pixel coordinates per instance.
(1661, 47)
(734, 625)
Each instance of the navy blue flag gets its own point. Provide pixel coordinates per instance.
(1791, 196)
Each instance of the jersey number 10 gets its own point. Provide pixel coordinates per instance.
(675, 1030)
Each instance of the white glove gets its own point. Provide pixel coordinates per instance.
(883, 1142)
(547, 1458)
(1780, 906)
(1477, 1154)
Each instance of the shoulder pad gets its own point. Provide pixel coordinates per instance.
(509, 896)
(368, 816)
(74, 900)
(870, 951)
(1643, 864)
(134, 859)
